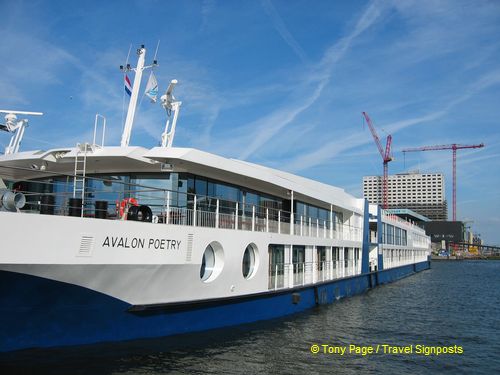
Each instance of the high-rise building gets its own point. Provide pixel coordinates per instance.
(423, 193)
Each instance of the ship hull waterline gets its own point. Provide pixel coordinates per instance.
(39, 312)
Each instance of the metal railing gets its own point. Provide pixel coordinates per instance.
(304, 273)
(276, 276)
(55, 197)
(401, 257)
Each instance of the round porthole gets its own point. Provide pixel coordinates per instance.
(250, 260)
(212, 262)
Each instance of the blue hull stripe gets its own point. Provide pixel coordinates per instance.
(38, 312)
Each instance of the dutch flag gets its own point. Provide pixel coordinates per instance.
(128, 86)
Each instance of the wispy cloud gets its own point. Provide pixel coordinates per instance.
(35, 60)
(207, 7)
(319, 76)
(280, 26)
(274, 122)
(443, 162)
(333, 148)
(483, 83)
(369, 16)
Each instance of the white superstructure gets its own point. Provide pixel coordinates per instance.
(84, 244)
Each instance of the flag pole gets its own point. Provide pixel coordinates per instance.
(123, 97)
(128, 54)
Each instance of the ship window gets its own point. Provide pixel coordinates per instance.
(251, 199)
(298, 254)
(276, 266)
(249, 261)
(212, 262)
(207, 263)
(201, 186)
(149, 189)
(321, 252)
(226, 192)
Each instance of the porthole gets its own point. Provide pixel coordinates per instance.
(207, 263)
(250, 260)
(212, 262)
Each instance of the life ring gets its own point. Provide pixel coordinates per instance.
(124, 206)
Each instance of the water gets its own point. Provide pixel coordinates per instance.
(454, 303)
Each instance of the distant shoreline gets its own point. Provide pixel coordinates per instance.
(453, 258)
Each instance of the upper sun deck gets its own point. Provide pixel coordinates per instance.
(254, 176)
(180, 186)
(116, 160)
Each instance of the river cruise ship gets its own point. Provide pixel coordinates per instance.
(111, 243)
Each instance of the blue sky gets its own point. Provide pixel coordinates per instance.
(282, 83)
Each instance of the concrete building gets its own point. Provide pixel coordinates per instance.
(423, 193)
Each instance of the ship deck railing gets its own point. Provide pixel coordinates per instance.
(296, 274)
(289, 275)
(175, 208)
(400, 256)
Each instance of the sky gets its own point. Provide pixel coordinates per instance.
(279, 83)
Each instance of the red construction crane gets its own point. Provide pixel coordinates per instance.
(453, 147)
(386, 157)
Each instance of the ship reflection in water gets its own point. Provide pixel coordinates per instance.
(431, 308)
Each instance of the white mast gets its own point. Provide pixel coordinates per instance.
(171, 105)
(141, 52)
(16, 127)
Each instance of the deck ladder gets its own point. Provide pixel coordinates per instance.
(80, 168)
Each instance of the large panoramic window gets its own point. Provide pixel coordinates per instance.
(249, 200)
(317, 214)
(229, 194)
(152, 191)
(109, 188)
(61, 188)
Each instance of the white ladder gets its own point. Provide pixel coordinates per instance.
(80, 169)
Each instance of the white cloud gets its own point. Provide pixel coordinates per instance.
(207, 7)
(280, 26)
(329, 150)
(319, 77)
(34, 60)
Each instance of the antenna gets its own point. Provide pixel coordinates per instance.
(168, 102)
(12, 125)
(156, 53)
(21, 112)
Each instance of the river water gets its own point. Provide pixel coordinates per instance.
(455, 304)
